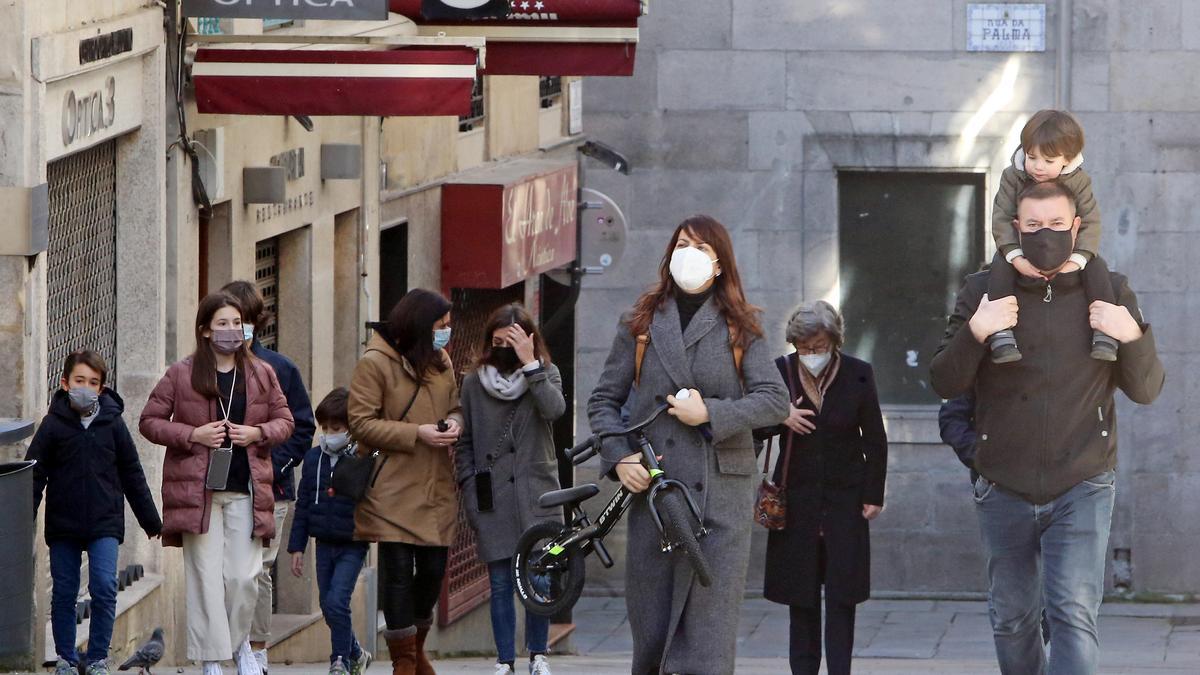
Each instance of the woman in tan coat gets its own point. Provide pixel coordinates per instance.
(402, 388)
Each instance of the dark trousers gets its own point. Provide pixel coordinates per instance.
(804, 635)
(338, 566)
(1097, 283)
(66, 557)
(410, 579)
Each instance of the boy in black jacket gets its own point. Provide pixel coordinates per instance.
(88, 466)
(329, 519)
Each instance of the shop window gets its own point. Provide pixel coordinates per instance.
(275, 24)
(905, 242)
(550, 90)
(476, 116)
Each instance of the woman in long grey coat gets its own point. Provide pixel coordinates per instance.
(698, 324)
(509, 402)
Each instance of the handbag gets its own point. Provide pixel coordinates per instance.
(354, 475)
(770, 508)
(484, 502)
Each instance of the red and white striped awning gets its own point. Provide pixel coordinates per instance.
(409, 81)
(546, 37)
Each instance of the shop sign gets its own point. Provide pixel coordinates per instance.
(347, 10)
(507, 224)
(87, 109)
(1004, 27)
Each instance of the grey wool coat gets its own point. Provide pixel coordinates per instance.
(679, 626)
(522, 462)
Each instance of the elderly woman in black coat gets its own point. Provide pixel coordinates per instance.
(835, 450)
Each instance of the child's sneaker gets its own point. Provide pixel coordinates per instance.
(503, 669)
(359, 666)
(539, 665)
(338, 668)
(64, 667)
(98, 668)
(1104, 348)
(1004, 347)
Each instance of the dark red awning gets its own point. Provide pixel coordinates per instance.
(547, 37)
(409, 81)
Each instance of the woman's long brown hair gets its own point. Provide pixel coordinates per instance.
(727, 288)
(204, 361)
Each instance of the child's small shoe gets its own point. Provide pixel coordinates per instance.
(1003, 344)
(1104, 347)
(359, 666)
(338, 668)
(98, 668)
(64, 667)
(503, 669)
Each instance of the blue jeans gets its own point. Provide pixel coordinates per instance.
(338, 566)
(1051, 554)
(504, 616)
(66, 556)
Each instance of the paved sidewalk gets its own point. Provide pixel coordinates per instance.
(893, 636)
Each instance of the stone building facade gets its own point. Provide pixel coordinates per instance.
(773, 114)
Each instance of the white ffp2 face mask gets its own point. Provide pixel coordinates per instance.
(691, 268)
(815, 363)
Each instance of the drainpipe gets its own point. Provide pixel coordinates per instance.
(1062, 85)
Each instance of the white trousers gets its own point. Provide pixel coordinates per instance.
(220, 571)
(260, 629)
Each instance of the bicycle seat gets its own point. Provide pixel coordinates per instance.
(570, 495)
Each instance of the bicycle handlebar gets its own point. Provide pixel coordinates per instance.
(585, 450)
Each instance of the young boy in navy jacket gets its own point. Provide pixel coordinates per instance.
(88, 467)
(329, 519)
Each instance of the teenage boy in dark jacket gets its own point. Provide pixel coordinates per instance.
(284, 457)
(329, 518)
(88, 467)
(1046, 450)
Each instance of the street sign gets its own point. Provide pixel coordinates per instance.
(1002, 27)
(347, 10)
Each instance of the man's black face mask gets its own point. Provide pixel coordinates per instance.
(1047, 249)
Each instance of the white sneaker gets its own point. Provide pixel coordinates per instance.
(540, 665)
(261, 656)
(247, 663)
(503, 669)
(213, 668)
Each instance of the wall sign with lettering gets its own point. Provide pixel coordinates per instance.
(999, 27)
(84, 110)
(348, 10)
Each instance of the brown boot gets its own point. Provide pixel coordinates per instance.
(424, 667)
(402, 646)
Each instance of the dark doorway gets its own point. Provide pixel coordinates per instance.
(393, 267)
(906, 240)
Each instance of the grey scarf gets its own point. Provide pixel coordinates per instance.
(508, 387)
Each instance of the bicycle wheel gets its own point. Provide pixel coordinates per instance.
(677, 525)
(546, 584)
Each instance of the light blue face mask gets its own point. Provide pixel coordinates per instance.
(441, 337)
(247, 331)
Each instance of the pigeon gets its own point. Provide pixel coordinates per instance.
(147, 655)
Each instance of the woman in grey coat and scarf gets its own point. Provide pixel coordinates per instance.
(505, 456)
(698, 324)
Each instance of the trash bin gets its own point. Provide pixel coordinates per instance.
(16, 557)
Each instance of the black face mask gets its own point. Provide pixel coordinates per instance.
(505, 359)
(1047, 249)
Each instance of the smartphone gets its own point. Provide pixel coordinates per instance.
(219, 462)
(483, 491)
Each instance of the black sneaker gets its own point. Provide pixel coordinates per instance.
(1004, 347)
(1104, 348)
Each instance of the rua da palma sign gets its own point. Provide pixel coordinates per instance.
(346, 10)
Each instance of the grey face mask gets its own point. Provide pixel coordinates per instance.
(83, 399)
(335, 444)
